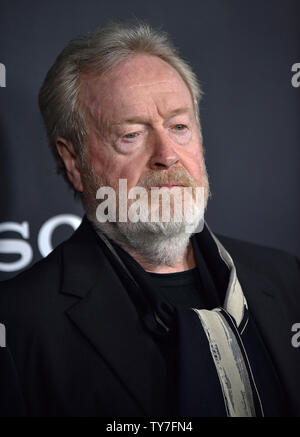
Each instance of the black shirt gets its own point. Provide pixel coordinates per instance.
(180, 288)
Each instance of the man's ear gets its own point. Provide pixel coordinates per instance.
(67, 153)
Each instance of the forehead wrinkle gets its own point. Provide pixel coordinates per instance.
(151, 83)
(142, 120)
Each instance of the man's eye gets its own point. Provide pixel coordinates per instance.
(180, 127)
(131, 135)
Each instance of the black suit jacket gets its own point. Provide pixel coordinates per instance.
(80, 349)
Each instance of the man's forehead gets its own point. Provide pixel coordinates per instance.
(141, 112)
(97, 87)
(139, 118)
(144, 66)
(140, 71)
(134, 90)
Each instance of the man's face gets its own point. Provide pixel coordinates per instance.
(142, 127)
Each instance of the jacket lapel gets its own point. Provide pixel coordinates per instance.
(109, 321)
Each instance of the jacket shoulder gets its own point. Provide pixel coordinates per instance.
(252, 251)
(279, 266)
(35, 292)
(46, 268)
(30, 293)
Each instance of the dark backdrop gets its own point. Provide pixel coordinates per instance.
(243, 52)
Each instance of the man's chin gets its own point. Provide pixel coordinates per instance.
(158, 229)
(158, 243)
(147, 232)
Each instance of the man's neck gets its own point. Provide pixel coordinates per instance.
(186, 262)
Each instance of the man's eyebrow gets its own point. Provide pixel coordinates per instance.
(141, 120)
(178, 111)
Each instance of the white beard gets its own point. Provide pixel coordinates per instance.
(158, 243)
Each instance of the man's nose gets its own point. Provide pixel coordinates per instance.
(163, 153)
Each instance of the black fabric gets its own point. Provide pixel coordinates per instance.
(79, 345)
(273, 400)
(209, 285)
(180, 288)
(199, 390)
(202, 396)
(193, 388)
(11, 398)
(165, 293)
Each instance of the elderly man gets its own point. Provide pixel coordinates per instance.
(141, 314)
